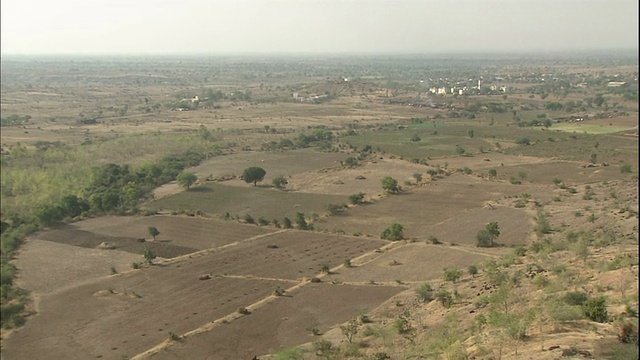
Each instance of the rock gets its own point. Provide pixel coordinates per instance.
(554, 347)
(204, 277)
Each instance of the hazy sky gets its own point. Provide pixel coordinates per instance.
(314, 26)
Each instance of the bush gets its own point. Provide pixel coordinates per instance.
(434, 240)
(390, 185)
(356, 199)
(484, 238)
(393, 232)
(425, 292)
(473, 270)
(564, 313)
(596, 309)
(452, 274)
(575, 298)
(279, 181)
(628, 333)
(249, 219)
(445, 298)
(625, 169)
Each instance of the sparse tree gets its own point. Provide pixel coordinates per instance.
(286, 223)
(390, 185)
(301, 222)
(253, 175)
(153, 231)
(473, 270)
(393, 232)
(350, 330)
(149, 255)
(452, 275)
(186, 179)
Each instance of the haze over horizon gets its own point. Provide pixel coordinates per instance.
(150, 27)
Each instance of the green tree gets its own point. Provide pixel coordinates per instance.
(596, 309)
(493, 229)
(390, 185)
(418, 177)
(186, 179)
(279, 181)
(153, 231)
(473, 270)
(484, 238)
(493, 172)
(253, 175)
(460, 150)
(393, 232)
(471, 134)
(415, 138)
(149, 255)
(452, 275)
(301, 222)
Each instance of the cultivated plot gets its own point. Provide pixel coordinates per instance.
(282, 323)
(238, 201)
(411, 263)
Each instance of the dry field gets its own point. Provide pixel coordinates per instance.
(190, 232)
(424, 207)
(411, 263)
(282, 323)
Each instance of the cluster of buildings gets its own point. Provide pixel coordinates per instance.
(462, 89)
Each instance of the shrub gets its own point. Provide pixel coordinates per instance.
(445, 298)
(520, 250)
(540, 280)
(596, 309)
(542, 224)
(452, 274)
(434, 240)
(249, 219)
(325, 268)
(625, 169)
(628, 333)
(484, 238)
(356, 199)
(473, 270)
(564, 313)
(301, 223)
(425, 292)
(390, 185)
(393, 232)
(262, 221)
(279, 181)
(286, 223)
(335, 209)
